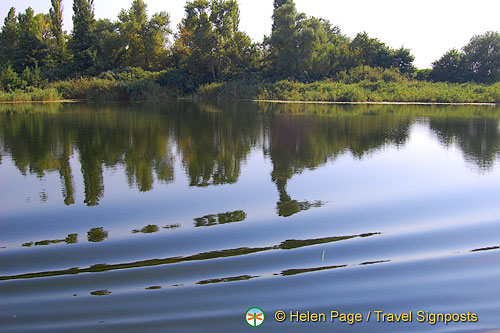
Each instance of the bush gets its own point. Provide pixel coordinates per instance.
(10, 81)
(372, 74)
(366, 90)
(112, 90)
(34, 94)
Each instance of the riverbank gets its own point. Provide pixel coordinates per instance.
(31, 95)
(365, 92)
(414, 92)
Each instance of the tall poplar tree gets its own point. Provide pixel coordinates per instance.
(83, 44)
(56, 21)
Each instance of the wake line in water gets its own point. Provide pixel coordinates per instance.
(286, 245)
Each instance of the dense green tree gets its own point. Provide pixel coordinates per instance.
(279, 3)
(371, 51)
(199, 40)
(479, 61)
(31, 50)
(9, 80)
(56, 21)
(9, 37)
(450, 67)
(306, 48)
(209, 43)
(83, 43)
(225, 17)
(209, 47)
(145, 38)
(374, 53)
(482, 56)
(111, 46)
(403, 60)
(322, 50)
(32, 77)
(283, 40)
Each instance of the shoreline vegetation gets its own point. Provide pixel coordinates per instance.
(139, 58)
(370, 92)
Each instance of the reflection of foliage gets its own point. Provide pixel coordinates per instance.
(213, 144)
(228, 217)
(286, 245)
(149, 229)
(97, 234)
(70, 239)
(295, 271)
(152, 228)
(100, 292)
(213, 141)
(479, 139)
(42, 140)
(172, 226)
(373, 262)
(305, 142)
(228, 279)
(153, 288)
(486, 249)
(294, 243)
(287, 207)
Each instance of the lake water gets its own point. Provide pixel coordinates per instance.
(180, 216)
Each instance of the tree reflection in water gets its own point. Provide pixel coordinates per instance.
(213, 140)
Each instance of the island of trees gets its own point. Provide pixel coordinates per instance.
(138, 57)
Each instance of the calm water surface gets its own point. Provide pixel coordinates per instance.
(181, 216)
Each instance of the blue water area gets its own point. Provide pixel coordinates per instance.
(181, 216)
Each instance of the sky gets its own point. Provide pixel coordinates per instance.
(428, 28)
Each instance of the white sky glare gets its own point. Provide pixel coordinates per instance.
(428, 28)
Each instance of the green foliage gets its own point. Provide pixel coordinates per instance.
(372, 74)
(479, 61)
(31, 50)
(372, 52)
(9, 37)
(144, 39)
(482, 56)
(362, 91)
(33, 77)
(132, 58)
(450, 67)
(311, 49)
(31, 95)
(97, 234)
(284, 39)
(423, 74)
(83, 43)
(111, 47)
(109, 89)
(10, 81)
(56, 22)
(209, 46)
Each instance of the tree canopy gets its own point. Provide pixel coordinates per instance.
(209, 47)
(478, 61)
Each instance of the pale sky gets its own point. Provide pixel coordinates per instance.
(428, 28)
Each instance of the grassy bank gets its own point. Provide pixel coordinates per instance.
(31, 95)
(151, 87)
(364, 91)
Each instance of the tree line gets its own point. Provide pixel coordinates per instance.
(209, 47)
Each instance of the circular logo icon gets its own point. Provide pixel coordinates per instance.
(254, 317)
